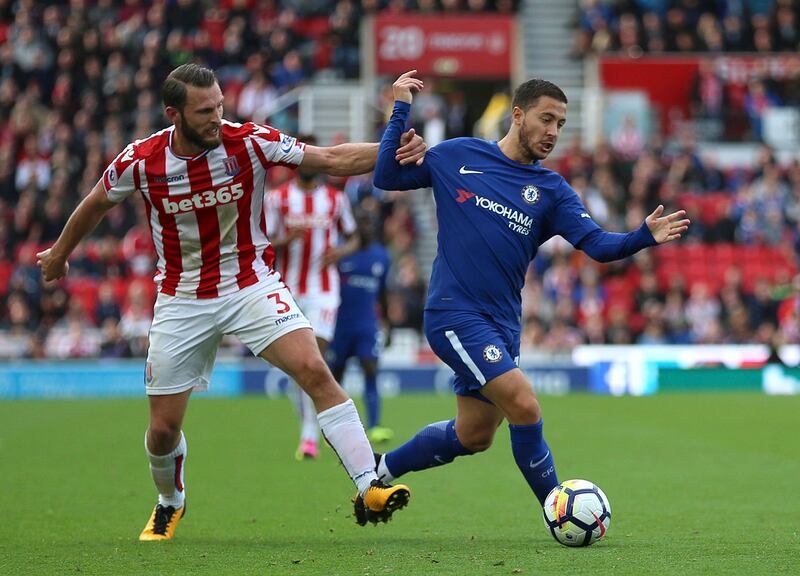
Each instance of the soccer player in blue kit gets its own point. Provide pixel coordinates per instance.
(362, 278)
(495, 205)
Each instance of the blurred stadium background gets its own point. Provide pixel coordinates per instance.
(691, 103)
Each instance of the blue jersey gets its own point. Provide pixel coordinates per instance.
(362, 278)
(493, 214)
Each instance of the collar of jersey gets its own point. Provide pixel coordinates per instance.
(186, 158)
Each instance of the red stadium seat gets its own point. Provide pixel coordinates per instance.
(6, 269)
(668, 253)
(85, 290)
(723, 253)
(694, 254)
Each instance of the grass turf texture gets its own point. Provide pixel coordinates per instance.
(698, 484)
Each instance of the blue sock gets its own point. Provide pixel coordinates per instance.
(533, 458)
(372, 401)
(434, 445)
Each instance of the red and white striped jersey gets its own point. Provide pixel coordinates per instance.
(206, 213)
(326, 214)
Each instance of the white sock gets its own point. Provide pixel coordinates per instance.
(167, 471)
(383, 471)
(343, 430)
(310, 427)
(304, 405)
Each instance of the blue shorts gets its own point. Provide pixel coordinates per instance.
(473, 345)
(363, 342)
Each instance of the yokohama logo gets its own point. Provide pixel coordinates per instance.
(207, 199)
(513, 215)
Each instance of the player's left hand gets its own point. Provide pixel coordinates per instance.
(53, 267)
(667, 228)
(412, 148)
(332, 256)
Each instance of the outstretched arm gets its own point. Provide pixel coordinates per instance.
(350, 159)
(83, 220)
(389, 174)
(656, 229)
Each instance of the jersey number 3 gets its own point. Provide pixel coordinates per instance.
(282, 307)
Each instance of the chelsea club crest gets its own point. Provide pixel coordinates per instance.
(530, 194)
(492, 354)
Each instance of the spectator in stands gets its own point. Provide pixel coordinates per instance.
(344, 23)
(653, 334)
(457, 115)
(762, 307)
(561, 336)
(627, 141)
(406, 294)
(257, 99)
(618, 330)
(136, 319)
(703, 312)
(590, 295)
(290, 72)
(789, 313)
(756, 102)
(107, 306)
(19, 320)
(113, 343)
(26, 278)
(708, 92)
(785, 28)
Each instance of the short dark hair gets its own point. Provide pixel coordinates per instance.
(528, 93)
(173, 93)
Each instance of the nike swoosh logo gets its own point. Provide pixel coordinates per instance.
(599, 525)
(463, 170)
(536, 464)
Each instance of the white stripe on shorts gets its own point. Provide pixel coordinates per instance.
(464, 356)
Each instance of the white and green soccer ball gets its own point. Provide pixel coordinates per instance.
(577, 513)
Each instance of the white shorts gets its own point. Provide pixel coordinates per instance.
(186, 332)
(321, 311)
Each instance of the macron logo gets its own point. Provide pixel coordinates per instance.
(585, 215)
(463, 170)
(463, 195)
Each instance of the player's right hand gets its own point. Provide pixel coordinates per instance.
(296, 232)
(53, 267)
(405, 86)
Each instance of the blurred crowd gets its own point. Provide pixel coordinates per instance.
(79, 80)
(731, 279)
(635, 27)
(725, 105)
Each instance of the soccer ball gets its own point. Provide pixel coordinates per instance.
(577, 513)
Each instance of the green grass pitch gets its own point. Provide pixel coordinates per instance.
(698, 484)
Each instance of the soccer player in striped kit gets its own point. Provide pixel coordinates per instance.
(495, 205)
(202, 181)
(312, 228)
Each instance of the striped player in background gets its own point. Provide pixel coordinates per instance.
(202, 182)
(312, 228)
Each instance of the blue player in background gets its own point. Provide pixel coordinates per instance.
(495, 205)
(358, 329)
